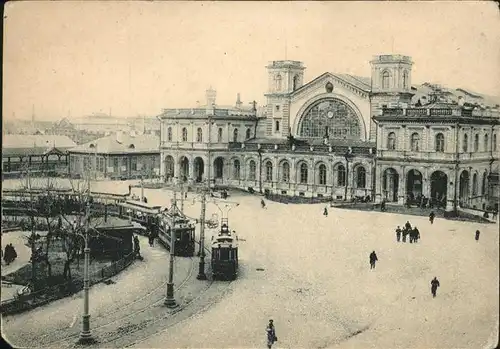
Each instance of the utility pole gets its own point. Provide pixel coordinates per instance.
(201, 270)
(182, 196)
(170, 300)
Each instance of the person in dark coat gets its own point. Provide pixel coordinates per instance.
(262, 203)
(271, 334)
(434, 285)
(373, 260)
(477, 235)
(408, 225)
(398, 233)
(137, 248)
(416, 236)
(431, 217)
(325, 212)
(405, 233)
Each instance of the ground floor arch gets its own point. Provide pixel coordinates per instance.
(219, 167)
(464, 188)
(199, 169)
(414, 181)
(169, 167)
(184, 168)
(390, 185)
(439, 188)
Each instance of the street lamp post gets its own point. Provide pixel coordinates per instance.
(201, 270)
(170, 300)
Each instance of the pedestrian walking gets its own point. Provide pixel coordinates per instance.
(408, 225)
(137, 248)
(325, 212)
(431, 217)
(398, 233)
(477, 235)
(271, 334)
(373, 260)
(262, 203)
(434, 285)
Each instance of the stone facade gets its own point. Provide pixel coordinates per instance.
(330, 138)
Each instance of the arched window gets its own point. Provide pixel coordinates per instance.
(391, 141)
(465, 143)
(415, 142)
(235, 135)
(251, 170)
(405, 80)
(474, 184)
(199, 135)
(169, 134)
(440, 143)
(219, 135)
(303, 173)
(278, 82)
(269, 171)
(341, 176)
(486, 143)
(295, 82)
(385, 79)
(483, 184)
(236, 169)
(322, 174)
(248, 134)
(184, 134)
(476, 142)
(360, 177)
(495, 142)
(285, 172)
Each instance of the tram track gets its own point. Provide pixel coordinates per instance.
(103, 324)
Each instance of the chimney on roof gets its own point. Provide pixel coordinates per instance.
(238, 101)
(210, 95)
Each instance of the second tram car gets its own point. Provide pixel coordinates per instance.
(225, 254)
(174, 224)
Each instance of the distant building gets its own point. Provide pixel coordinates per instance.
(38, 153)
(118, 156)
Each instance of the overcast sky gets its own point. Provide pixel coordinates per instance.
(139, 57)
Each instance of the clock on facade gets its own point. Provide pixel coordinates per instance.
(330, 114)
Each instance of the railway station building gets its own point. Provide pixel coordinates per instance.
(341, 136)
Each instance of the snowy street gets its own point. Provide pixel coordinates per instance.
(316, 284)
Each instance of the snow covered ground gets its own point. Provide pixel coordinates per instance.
(321, 293)
(319, 289)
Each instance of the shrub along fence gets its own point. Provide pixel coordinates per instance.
(32, 300)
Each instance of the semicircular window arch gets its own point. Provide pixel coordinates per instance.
(332, 117)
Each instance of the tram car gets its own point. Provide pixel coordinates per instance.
(174, 224)
(140, 212)
(224, 254)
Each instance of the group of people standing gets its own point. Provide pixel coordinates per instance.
(10, 254)
(413, 233)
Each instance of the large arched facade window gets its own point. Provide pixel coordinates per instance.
(235, 135)
(415, 142)
(269, 171)
(360, 177)
(474, 184)
(251, 170)
(495, 142)
(486, 143)
(465, 143)
(199, 135)
(303, 173)
(236, 169)
(391, 141)
(333, 114)
(341, 176)
(440, 143)
(483, 184)
(285, 172)
(385, 79)
(322, 174)
(476, 142)
(184, 134)
(169, 134)
(248, 134)
(278, 81)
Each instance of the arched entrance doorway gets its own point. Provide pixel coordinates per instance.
(219, 167)
(169, 167)
(390, 185)
(439, 188)
(463, 189)
(414, 185)
(199, 169)
(184, 164)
